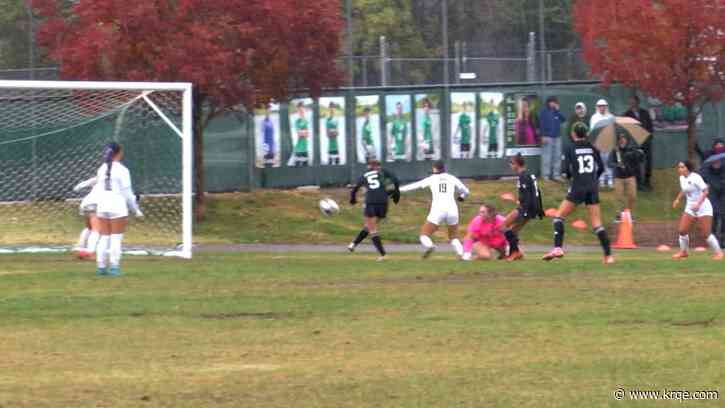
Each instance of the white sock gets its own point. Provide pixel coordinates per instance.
(684, 242)
(84, 236)
(93, 241)
(457, 246)
(102, 250)
(426, 241)
(714, 244)
(115, 249)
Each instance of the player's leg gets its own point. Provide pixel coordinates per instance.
(453, 238)
(104, 229)
(595, 216)
(483, 251)
(468, 243)
(426, 231)
(364, 232)
(83, 238)
(513, 223)
(705, 225)
(683, 237)
(372, 225)
(90, 246)
(565, 209)
(115, 248)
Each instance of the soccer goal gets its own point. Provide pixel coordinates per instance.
(52, 136)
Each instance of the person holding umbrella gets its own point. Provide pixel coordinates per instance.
(713, 172)
(643, 116)
(625, 160)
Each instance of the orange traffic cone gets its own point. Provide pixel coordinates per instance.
(625, 237)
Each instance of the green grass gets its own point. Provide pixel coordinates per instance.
(321, 330)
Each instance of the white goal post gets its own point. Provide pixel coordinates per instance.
(51, 137)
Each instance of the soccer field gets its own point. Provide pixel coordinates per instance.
(340, 330)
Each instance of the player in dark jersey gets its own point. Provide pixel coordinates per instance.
(377, 190)
(529, 206)
(583, 166)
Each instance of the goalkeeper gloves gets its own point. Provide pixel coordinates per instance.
(396, 196)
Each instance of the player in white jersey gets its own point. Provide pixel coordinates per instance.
(115, 199)
(89, 236)
(446, 188)
(697, 207)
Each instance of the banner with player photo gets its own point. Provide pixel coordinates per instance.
(428, 126)
(462, 124)
(491, 125)
(367, 128)
(522, 123)
(266, 126)
(333, 149)
(399, 128)
(301, 114)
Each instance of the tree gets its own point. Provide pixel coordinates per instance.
(233, 51)
(673, 50)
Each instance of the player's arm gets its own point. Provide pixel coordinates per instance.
(416, 186)
(85, 184)
(568, 172)
(677, 200)
(600, 163)
(129, 195)
(463, 191)
(703, 196)
(396, 183)
(355, 188)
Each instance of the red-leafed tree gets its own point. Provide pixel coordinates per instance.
(673, 50)
(232, 51)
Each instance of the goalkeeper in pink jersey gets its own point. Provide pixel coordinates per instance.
(484, 235)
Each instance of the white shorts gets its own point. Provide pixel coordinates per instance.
(704, 211)
(88, 205)
(111, 206)
(439, 217)
(110, 215)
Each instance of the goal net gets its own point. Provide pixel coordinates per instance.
(52, 137)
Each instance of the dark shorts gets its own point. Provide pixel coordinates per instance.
(333, 153)
(583, 197)
(523, 215)
(301, 154)
(375, 210)
(492, 147)
(466, 147)
(269, 156)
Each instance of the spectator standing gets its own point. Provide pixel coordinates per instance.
(714, 177)
(625, 161)
(551, 120)
(643, 116)
(603, 113)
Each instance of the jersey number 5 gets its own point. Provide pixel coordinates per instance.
(586, 164)
(373, 182)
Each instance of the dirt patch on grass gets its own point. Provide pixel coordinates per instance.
(245, 315)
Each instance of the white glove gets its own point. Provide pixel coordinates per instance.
(139, 214)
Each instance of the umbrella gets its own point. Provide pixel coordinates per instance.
(604, 133)
(714, 157)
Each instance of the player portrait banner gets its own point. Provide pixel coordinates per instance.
(491, 125)
(428, 126)
(266, 129)
(333, 131)
(463, 117)
(367, 128)
(399, 128)
(301, 114)
(522, 119)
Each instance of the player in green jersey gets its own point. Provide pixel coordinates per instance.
(367, 137)
(427, 127)
(302, 127)
(464, 129)
(331, 125)
(493, 119)
(399, 133)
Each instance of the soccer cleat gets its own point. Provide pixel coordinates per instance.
(718, 256)
(101, 272)
(515, 256)
(427, 252)
(680, 255)
(608, 260)
(381, 258)
(85, 254)
(553, 254)
(114, 271)
(351, 247)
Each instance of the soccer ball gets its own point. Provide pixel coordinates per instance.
(329, 207)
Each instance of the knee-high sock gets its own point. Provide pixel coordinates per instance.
(115, 249)
(360, 236)
(426, 241)
(457, 246)
(603, 240)
(378, 244)
(513, 240)
(102, 250)
(83, 237)
(684, 242)
(714, 244)
(558, 232)
(93, 241)
(467, 245)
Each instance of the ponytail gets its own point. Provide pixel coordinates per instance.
(111, 150)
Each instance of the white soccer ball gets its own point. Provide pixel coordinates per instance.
(329, 207)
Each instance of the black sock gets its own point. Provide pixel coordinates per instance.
(378, 244)
(604, 240)
(360, 236)
(558, 232)
(512, 239)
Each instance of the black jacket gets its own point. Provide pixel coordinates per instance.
(644, 118)
(625, 161)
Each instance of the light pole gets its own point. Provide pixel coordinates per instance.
(444, 25)
(350, 59)
(31, 39)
